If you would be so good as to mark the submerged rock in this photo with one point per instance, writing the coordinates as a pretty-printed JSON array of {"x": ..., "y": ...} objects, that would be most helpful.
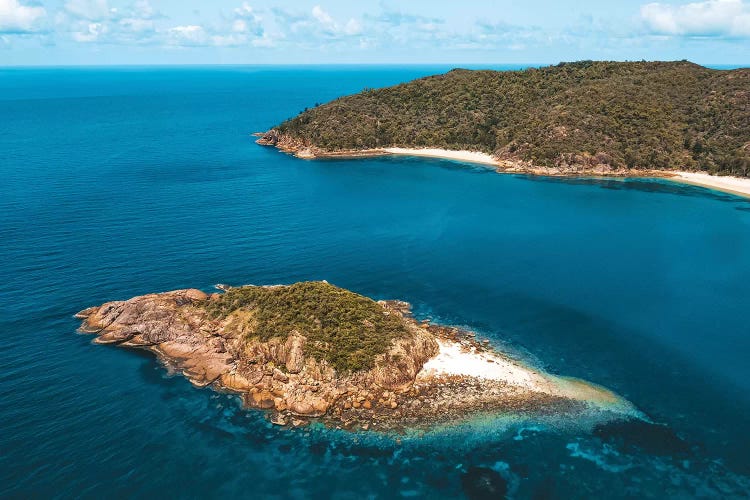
[
  {"x": 637, "y": 434},
  {"x": 313, "y": 350},
  {"x": 481, "y": 483}
]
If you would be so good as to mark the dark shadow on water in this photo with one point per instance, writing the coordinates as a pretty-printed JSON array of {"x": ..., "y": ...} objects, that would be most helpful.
[
  {"x": 642, "y": 184},
  {"x": 480, "y": 483},
  {"x": 217, "y": 434},
  {"x": 636, "y": 435},
  {"x": 415, "y": 161},
  {"x": 645, "y": 184}
]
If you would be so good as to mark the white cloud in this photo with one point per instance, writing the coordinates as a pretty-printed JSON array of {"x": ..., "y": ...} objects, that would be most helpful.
[
  {"x": 382, "y": 29},
  {"x": 198, "y": 36},
  {"x": 188, "y": 35},
  {"x": 245, "y": 11},
  {"x": 246, "y": 21},
  {"x": 353, "y": 27},
  {"x": 316, "y": 28},
  {"x": 322, "y": 16},
  {"x": 242, "y": 28},
  {"x": 711, "y": 18},
  {"x": 89, "y": 21},
  {"x": 332, "y": 28},
  {"x": 90, "y": 33},
  {"x": 92, "y": 10},
  {"x": 17, "y": 18},
  {"x": 399, "y": 29}
]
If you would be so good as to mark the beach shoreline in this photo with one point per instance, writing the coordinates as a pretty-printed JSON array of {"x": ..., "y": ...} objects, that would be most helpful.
[
  {"x": 734, "y": 185},
  {"x": 728, "y": 184},
  {"x": 457, "y": 359},
  {"x": 447, "y": 154}
]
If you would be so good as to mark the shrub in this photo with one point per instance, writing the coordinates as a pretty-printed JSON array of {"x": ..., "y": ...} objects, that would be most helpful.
[{"x": 343, "y": 328}]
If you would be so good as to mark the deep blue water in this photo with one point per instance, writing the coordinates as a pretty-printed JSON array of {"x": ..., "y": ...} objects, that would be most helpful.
[{"x": 119, "y": 182}]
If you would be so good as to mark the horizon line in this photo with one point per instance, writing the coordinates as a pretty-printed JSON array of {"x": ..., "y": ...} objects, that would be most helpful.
[{"x": 345, "y": 64}]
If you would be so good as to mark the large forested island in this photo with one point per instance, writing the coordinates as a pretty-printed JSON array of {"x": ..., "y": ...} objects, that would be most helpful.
[
  {"x": 312, "y": 350},
  {"x": 603, "y": 117}
]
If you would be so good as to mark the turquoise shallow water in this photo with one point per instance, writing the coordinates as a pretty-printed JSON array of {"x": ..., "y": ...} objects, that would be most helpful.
[{"x": 119, "y": 182}]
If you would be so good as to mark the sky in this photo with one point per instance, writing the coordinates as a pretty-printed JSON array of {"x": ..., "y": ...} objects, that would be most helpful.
[{"x": 124, "y": 32}]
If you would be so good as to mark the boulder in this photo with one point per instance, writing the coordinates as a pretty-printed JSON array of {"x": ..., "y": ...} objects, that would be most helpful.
[
  {"x": 270, "y": 138},
  {"x": 235, "y": 382},
  {"x": 280, "y": 376},
  {"x": 295, "y": 356},
  {"x": 195, "y": 294},
  {"x": 262, "y": 399},
  {"x": 309, "y": 407}
]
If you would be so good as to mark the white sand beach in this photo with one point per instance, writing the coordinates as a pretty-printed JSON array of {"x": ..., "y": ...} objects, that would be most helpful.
[
  {"x": 454, "y": 359},
  {"x": 469, "y": 156},
  {"x": 734, "y": 185}
]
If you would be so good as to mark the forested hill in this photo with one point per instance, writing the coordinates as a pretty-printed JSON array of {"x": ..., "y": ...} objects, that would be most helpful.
[{"x": 651, "y": 115}]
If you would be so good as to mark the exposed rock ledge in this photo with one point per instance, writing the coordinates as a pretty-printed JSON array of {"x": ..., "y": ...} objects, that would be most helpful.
[
  {"x": 423, "y": 375},
  {"x": 574, "y": 165}
]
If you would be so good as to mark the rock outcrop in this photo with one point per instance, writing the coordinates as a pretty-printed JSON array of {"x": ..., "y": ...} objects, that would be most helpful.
[{"x": 303, "y": 149}]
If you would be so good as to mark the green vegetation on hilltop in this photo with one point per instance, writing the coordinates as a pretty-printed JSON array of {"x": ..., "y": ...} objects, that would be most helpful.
[
  {"x": 345, "y": 329},
  {"x": 652, "y": 115}
]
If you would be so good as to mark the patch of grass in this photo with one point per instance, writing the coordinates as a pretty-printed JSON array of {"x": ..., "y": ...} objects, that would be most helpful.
[{"x": 343, "y": 328}]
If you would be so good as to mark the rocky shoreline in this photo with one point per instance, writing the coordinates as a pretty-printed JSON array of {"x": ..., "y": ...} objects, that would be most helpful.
[
  {"x": 431, "y": 375},
  {"x": 576, "y": 166}
]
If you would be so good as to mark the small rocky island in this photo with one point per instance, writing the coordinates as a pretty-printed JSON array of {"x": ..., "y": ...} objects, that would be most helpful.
[{"x": 312, "y": 350}]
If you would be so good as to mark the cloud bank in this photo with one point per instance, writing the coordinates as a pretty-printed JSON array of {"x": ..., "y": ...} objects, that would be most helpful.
[
  {"x": 317, "y": 28},
  {"x": 712, "y": 18},
  {"x": 16, "y": 18}
]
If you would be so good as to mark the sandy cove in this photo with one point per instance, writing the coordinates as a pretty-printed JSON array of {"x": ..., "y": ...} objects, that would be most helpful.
[{"x": 735, "y": 185}]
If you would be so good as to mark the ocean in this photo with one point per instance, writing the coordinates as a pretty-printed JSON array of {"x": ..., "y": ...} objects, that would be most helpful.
[{"x": 116, "y": 182}]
